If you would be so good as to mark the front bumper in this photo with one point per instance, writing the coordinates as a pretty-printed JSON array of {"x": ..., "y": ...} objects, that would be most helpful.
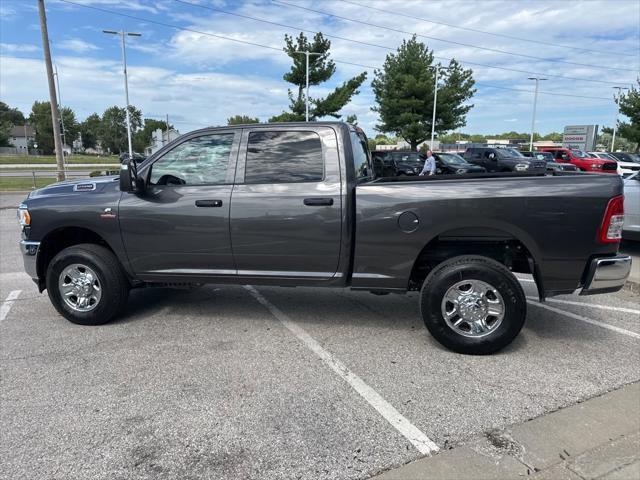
[
  {"x": 30, "y": 256},
  {"x": 606, "y": 274}
]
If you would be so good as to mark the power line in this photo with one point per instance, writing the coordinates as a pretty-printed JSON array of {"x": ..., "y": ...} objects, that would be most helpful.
[
  {"x": 369, "y": 44},
  {"x": 475, "y": 30},
  {"x": 281, "y": 2},
  {"x": 278, "y": 49}
]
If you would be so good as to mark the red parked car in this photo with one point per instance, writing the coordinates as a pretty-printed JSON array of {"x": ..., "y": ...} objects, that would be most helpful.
[{"x": 581, "y": 159}]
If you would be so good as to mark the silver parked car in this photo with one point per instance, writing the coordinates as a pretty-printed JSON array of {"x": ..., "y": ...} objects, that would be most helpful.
[{"x": 631, "y": 228}]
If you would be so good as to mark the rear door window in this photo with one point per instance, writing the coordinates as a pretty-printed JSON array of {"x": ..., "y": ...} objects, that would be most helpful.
[{"x": 284, "y": 157}]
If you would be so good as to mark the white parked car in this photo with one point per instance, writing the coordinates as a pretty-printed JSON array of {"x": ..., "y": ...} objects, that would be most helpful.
[
  {"x": 631, "y": 228},
  {"x": 625, "y": 168}
]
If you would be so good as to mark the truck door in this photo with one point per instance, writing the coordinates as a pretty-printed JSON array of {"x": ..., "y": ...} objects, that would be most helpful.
[
  {"x": 286, "y": 203},
  {"x": 180, "y": 224}
]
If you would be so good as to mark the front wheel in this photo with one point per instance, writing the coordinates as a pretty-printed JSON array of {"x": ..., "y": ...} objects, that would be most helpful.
[
  {"x": 86, "y": 284},
  {"x": 473, "y": 304}
]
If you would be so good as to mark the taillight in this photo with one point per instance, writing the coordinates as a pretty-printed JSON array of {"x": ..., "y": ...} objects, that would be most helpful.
[{"x": 611, "y": 228}]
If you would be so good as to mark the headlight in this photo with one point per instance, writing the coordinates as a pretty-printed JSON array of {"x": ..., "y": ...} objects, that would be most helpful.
[
  {"x": 461, "y": 170},
  {"x": 595, "y": 166},
  {"x": 521, "y": 167},
  {"x": 23, "y": 215}
]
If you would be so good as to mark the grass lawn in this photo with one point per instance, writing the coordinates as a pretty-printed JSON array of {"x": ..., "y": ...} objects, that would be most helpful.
[
  {"x": 9, "y": 159},
  {"x": 8, "y": 184}
]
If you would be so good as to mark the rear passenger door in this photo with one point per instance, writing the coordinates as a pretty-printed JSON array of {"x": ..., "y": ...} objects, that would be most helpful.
[{"x": 286, "y": 203}]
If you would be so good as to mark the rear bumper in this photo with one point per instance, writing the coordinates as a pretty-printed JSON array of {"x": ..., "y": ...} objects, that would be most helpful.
[
  {"x": 606, "y": 275},
  {"x": 30, "y": 256}
]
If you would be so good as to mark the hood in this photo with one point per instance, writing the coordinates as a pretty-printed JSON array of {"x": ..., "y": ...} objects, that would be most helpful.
[{"x": 82, "y": 186}]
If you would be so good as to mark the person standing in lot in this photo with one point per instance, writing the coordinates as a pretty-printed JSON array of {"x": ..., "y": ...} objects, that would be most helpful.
[{"x": 429, "y": 165}]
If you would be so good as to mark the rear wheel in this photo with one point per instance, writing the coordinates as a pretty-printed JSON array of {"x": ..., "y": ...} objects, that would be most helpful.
[
  {"x": 473, "y": 304},
  {"x": 87, "y": 285}
]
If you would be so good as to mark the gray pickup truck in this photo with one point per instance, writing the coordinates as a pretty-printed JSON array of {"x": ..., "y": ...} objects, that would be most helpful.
[{"x": 298, "y": 205}]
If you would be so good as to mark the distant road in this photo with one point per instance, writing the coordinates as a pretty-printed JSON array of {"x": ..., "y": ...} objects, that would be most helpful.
[{"x": 36, "y": 166}]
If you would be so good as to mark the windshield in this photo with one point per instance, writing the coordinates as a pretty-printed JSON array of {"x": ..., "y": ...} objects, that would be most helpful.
[
  {"x": 451, "y": 159},
  {"x": 543, "y": 156},
  {"x": 579, "y": 153},
  {"x": 508, "y": 152},
  {"x": 407, "y": 157}
]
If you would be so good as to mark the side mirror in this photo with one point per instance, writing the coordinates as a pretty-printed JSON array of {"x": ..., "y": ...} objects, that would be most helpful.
[{"x": 127, "y": 178}]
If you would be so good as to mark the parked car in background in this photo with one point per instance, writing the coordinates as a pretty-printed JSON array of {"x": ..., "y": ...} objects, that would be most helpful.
[
  {"x": 581, "y": 159},
  {"x": 631, "y": 227},
  {"x": 551, "y": 165},
  {"x": 452, "y": 163},
  {"x": 396, "y": 162},
  {"x": 503, "y": 160},
  {"x": 628, "y": 163}
]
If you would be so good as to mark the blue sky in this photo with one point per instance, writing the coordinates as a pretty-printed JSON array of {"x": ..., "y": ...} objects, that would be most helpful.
[{"x": 199, "y": 79}]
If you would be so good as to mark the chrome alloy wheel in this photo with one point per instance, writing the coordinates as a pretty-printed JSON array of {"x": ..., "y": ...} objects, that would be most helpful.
[
  {"x": 79, "y": 287},
  {"x": 473, "y": 308}
]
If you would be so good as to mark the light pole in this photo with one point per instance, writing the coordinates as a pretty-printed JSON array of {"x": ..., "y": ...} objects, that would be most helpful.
[
  {"x": 124, "y": 34},
  {"x": 615, "y": 124},
  {"x": 307, "y": 54},
  {"x": 533, "y": 116},
  {"x": 437, "y": 69}
]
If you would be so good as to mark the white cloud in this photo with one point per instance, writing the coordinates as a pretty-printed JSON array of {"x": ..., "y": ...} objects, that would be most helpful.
[
  {"x": 77, "y": 45},
  {"x": 6, "y": 48}
]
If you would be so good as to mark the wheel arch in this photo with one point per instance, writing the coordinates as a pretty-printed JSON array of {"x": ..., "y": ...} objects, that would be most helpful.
[
  {"x": 61, "y": 238},
  {"x": 500, "y": 241}
]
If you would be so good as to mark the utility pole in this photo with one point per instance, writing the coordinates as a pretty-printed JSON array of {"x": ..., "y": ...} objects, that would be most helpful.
[
  {"x": 123, "y": 35},
  {"x": 615, "y": 124},
  {"x": 55, "y": 115},
  {"x": 533, "y": 117},
  {"x": 307, "y": 54},
  {"x": 26, "y": 139}
]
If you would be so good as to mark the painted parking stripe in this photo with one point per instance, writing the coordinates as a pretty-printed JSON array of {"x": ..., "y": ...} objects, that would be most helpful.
[
  {"x": 417, "y": 438},
  {"x": 5, "y": 308},
  {"x": 586, "y": 319},
  {"x": 593, "y": 305}
]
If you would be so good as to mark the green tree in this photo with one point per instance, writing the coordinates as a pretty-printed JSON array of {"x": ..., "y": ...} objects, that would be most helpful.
[
  {"x": 142, "y": 138},
  {"x": 553, "y": 137},
  {"x": 241, "y": 120},
  {"x": 321, "y": 69},
  {"x": 404, "y": 94},
  {"x": 629, "y": 105},
  {"x": 10, "y": 115},
  {"x": 40, "y": 118},
  {"x": 113, "y": 128},
  {"x": 90, "y": 130}
]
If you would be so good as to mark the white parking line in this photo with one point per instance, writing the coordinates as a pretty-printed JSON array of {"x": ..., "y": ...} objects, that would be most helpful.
[
  {"x": 418, "y": 439},
  {"x": 586, "y": 319},
  {"x": 6, "y": 305},
  {"x": 594, "y": 305}
]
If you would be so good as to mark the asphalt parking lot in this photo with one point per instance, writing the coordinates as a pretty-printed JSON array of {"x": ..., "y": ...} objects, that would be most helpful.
[{"x": 233, "y": 382}]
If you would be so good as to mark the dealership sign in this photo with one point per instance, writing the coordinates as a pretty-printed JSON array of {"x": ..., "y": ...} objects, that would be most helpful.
[{"x": 580, "y": 137}]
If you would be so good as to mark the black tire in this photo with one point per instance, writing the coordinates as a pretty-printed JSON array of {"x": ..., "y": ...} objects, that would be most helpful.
[
  {"x": 473, "y": 267},
  {"x": 113, "y": 282}
]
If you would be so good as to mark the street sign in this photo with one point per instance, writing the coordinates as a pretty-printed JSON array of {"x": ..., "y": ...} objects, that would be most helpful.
[{"x": 580, "y": 137}]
